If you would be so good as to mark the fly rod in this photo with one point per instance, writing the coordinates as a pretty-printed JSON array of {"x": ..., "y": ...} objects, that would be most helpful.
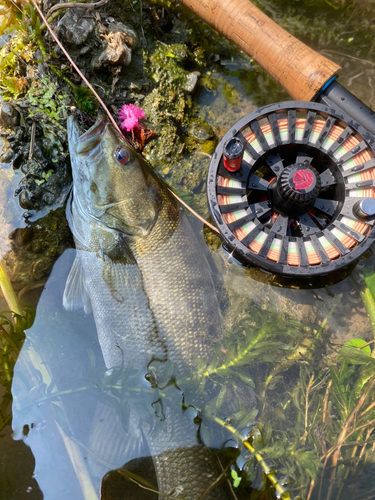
[{"x": 300, "y": 70}]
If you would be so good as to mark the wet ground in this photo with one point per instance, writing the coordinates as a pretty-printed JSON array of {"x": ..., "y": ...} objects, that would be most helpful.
[{"x": 304, "y": 393}]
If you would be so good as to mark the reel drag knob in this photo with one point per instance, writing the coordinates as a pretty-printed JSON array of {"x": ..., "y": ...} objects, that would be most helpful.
[{"x": 296, "y": 190}]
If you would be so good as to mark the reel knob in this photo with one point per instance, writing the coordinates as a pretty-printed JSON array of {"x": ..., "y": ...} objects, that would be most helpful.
[
  {"x": 365, "y": 209},
  {"x": 296, "y": 190},
  {"x": 232, "y": 154}
]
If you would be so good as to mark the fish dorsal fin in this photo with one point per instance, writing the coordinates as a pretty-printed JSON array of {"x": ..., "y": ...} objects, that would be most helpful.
[{"x": 76, "y": 294}]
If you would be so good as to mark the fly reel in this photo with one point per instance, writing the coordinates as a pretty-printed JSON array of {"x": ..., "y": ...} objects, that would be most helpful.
[{"x": 291, "y": 188}]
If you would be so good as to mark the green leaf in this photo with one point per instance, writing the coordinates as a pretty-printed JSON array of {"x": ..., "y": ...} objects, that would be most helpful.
[
  {"x": 248, "y": 419},
  {"x": 359, "y": 343},
  {"x": 245, "y": 378},
  {"x": 369, "y": 276},
  {"x": 47, "y": 175},
  {"x": 236, "y": 478},
  {"x": 221, "y": 397},
  {"x": 354, "y": 356}
]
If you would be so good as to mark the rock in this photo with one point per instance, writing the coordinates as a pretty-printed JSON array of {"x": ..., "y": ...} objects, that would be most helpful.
[
  {"x": 130, "y": 38},
  {"x": 201, "y": 131},
  {"x": 121, "y": 40},
  {"x": 191, "y": 81},
  {"x": 74, "y": 28},
  {"x": 9, "y": 116},
  {"x": 117, "y": 51}
]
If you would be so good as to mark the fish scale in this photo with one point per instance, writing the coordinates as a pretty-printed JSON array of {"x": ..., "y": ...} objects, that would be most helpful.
[{"x": 180, "y": 289}]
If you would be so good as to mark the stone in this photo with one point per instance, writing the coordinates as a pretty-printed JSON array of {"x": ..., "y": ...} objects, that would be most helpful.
[
  {"x": 117, "y": 52},
  {"x": 74, "y": 28},
  {"x": 9, "y": 116},
  {"x": 191, "y": 81},
  {"x": 130, "y": 38}
]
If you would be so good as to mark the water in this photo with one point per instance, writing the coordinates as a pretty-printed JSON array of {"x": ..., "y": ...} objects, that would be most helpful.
[{"x": 303, "y": 400}]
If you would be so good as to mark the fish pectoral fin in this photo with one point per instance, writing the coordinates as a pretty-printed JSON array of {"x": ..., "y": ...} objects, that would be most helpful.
[
  {"x": 118, "y": 252},
  {"x": 76, "y": 295}
]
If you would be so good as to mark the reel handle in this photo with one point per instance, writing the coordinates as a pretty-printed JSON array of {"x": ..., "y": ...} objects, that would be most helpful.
[{"x": 300, "y": 70}]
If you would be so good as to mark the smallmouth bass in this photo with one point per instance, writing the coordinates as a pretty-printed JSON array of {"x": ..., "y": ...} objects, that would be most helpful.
[{"x": 141, "y": 270}]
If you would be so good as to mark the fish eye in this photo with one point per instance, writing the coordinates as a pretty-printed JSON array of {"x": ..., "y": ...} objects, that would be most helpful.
[{"x": 121, "y": 155}]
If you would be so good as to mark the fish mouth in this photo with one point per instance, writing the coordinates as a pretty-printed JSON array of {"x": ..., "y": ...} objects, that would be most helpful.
[{"x": 90, "y": 141}]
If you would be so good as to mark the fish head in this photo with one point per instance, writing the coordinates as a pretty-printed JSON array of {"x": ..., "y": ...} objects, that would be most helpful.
[{"x": 112, "y": 182}]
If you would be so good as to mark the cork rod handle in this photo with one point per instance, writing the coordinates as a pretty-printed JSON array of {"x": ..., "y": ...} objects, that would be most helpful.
[{"x": 300, "y": 70}]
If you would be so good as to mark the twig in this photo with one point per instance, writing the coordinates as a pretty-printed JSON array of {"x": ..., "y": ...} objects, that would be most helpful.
[
  {"x": 325, "y": 401},
  {"x": 369, "y": 431},
  {"x": 128, "y": 474},
  {"x": 336, "y": 446},
  {"x": 194, "y": 213},
  {"x": 309, "y": 385},
  {"x": 312, "y": 485},
  {"x": 80, "y": 5},
  {"x": 32, "y": 140},
  {"x": 367, "y": 409},
  {"x": 209, "y": 487},
  {"x": 15, "y": 5},
  {"x": 364, "y": 345},
  {"x": 228, "y": 480},
  {"x": 345, "y": 431},
  {"x": 56, "y": 14}
]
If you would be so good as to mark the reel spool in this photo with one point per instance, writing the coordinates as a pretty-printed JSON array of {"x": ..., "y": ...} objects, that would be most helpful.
[{"x": 291, "y": 188}]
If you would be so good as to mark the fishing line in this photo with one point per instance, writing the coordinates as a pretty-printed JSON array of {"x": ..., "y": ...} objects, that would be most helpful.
[
  {"x": 107, "y": 110},
  {"x": 76, "y": 68}
]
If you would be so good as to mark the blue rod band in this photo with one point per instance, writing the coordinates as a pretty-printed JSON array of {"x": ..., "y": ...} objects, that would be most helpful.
[{"x": 327, "y": 84}]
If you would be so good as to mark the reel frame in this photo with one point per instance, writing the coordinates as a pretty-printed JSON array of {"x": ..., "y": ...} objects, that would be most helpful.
[{"x": 341, "y": 253}]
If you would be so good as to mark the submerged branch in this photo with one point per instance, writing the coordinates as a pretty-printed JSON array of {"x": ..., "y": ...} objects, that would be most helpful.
[{"x": 223, "y": 472}]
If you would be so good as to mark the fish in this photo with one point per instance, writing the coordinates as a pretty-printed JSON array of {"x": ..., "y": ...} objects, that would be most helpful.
[{"x": 141, "y": 271}]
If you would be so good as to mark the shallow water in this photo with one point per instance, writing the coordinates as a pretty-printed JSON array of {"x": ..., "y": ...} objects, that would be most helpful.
[{"x": 60, "y": 375}]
